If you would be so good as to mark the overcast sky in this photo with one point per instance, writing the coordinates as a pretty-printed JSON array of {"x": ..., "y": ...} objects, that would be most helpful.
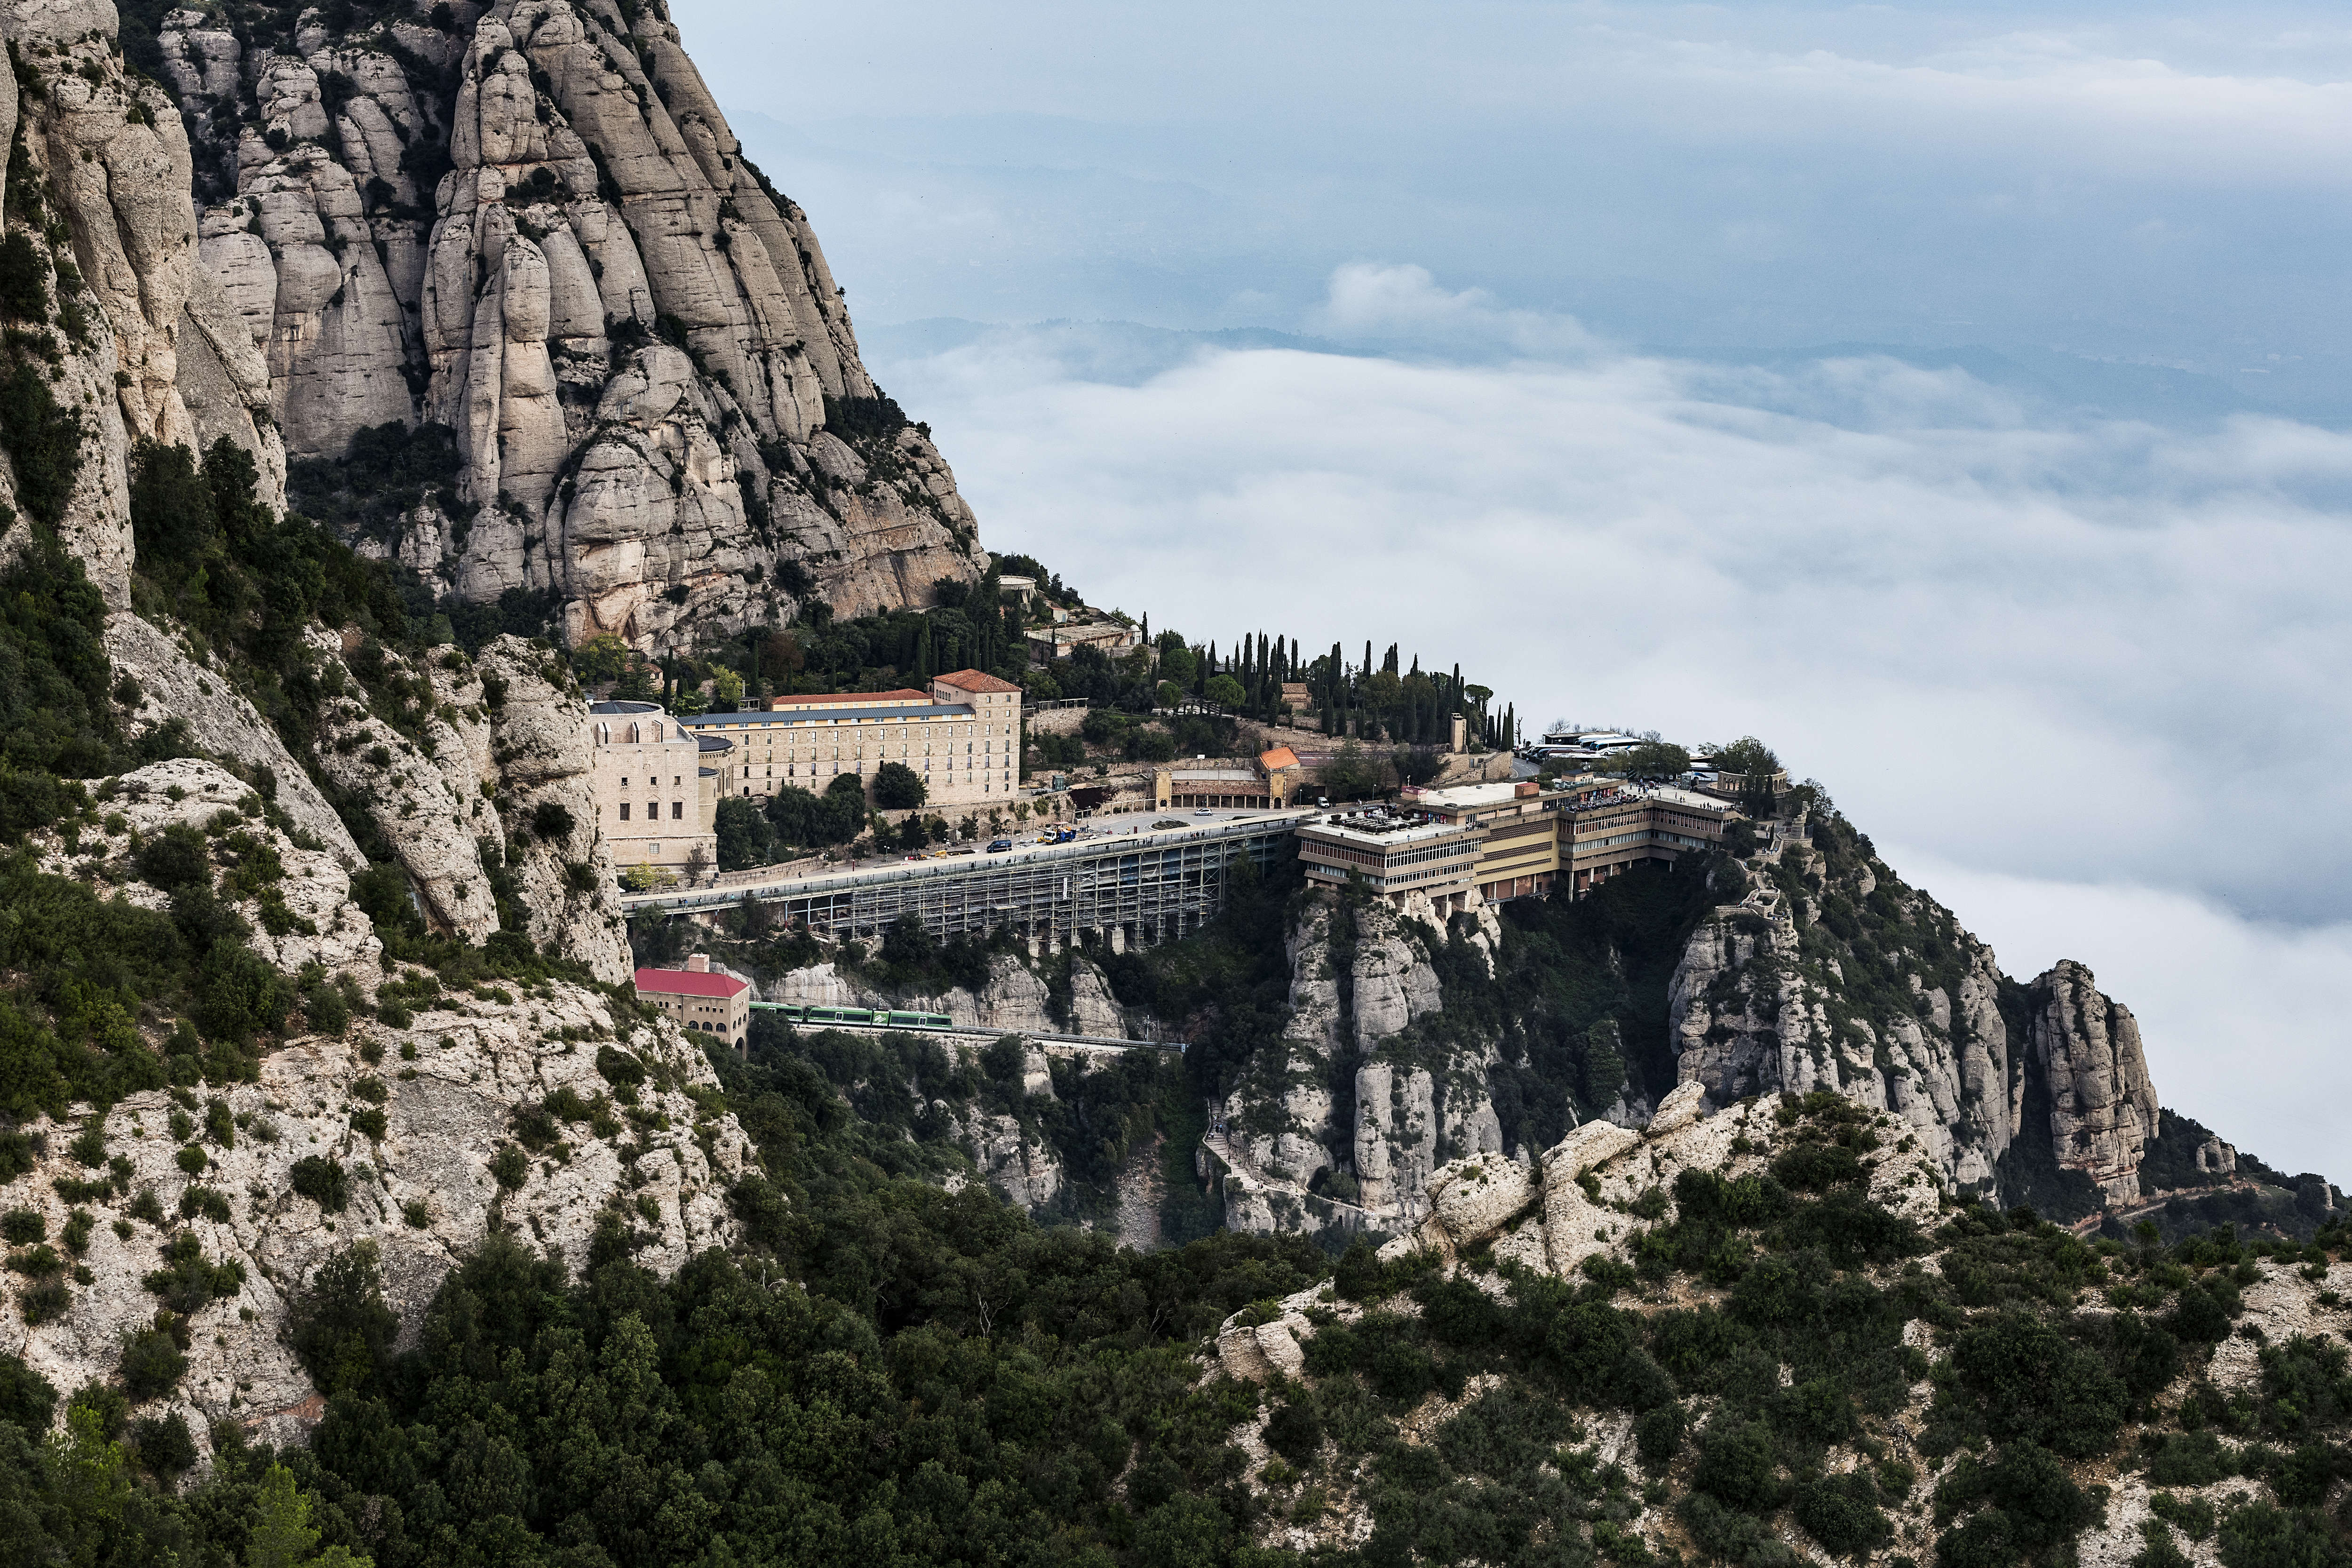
[{"x": 1955, "y": 398}]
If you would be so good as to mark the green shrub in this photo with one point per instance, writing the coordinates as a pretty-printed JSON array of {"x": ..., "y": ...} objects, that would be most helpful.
[
  {"x": 151, "y": 1363},
  {"x": 189, "y": 1281},
  {"x": 619, "y": 1067},
  {"x": 1296, "y": 1432},
  {"x": 2034, "y": 1385},
  {"x": 22, "y": 1228},
  {"x": 369, "y": 1121},
  {"x": 321, "y": 1179},
  {"x": 1842, "y": 1513},
  {"x": 44, "y": 1301},
  {"x": 550, "y": 821},
  {"x": 176, "y": 857},
  {"x": 1738, "y": 1466},
  {"x": 27, "y": 1399},
  {"x": 24, "y": 279},
  {"x": 163, "y": 1444},
  {"x": 339, "y": 1327},
  {"x": 2261, "y": 1536},
  {"x": 510, "y": 1167},
  {"x": 43, "y": 440},
  {"x": 1658, "y": 1436}
]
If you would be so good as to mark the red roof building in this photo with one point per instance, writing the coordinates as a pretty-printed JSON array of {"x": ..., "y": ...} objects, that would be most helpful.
[
  {"x": 975, "y": 680},
  {"x": 687, "y": 983},
  {"x": 707, "y": 1004}
]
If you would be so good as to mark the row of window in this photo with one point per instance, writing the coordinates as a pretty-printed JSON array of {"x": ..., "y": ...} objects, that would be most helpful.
[{"x": 653, "y": 811}]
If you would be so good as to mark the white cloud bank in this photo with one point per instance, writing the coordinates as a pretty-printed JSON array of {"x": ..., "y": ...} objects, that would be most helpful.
[
  {"x": 2243, "y": 1023},
  {"x": 2071, "y": 660}
]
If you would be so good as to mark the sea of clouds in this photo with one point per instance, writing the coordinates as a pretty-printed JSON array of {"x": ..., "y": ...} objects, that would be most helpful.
[
  {"x": 2079, "y": 675},
  {"x": 1952, "y": 394}
]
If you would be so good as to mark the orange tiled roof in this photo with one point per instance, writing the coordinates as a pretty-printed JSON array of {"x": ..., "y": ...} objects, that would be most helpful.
[
  {"x": 1277, "y": 759},
  {"x": 976, "y": 680}
]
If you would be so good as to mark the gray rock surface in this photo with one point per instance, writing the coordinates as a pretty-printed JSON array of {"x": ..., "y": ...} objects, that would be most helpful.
[
  {"x": 635, "y": 339},
  {"x": 220, "y": 721},
  {"x": 2102, "y": 1105},
  {"x": 448, "y": 1083},
  {"x": 1748, "y": 1013}
]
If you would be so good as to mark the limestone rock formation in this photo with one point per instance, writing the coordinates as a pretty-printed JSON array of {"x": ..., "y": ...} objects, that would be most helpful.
[
  {"x": 1023, "y": 1169},
  {"x": 1278, "y": 1117},
  {"x": 171, "y": 685},
  {"x": 1751, "y": 1012},
  {"x": 269, "y": 1179},
  {"x": 1361, "y": 978},
  {"x": 2102, "y": 1106},
  {"x": 488, "y": 782},
  {"x": 146, "y": 344},
  {"x": 527, "y": 221},
  {"x": 1577, "y": 1203}
]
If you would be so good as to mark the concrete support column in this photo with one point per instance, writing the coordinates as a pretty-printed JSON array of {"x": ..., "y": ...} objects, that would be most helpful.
[{"x": 1118, "y": 939}]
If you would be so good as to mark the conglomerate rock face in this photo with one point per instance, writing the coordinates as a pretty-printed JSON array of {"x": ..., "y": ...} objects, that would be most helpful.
[
  {"x": 413, "y": 1132},
  {"x": 2102, "y": 1105},
  {"x": 148, "y": 346},
  {"x": 529, "y": 223},
  {"x": 1764, "y": 1001},
  {"x": 1788, "y": 991},
  {"x": 1349, "y": 1090}
]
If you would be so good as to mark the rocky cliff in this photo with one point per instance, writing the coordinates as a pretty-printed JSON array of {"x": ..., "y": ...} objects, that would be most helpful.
[
  {"x": 1830, "y": 973},
  {"x": 192, "y": 1217},
  {"x": 1340, "y": 1121},
  {"x": 526, "y": 226},
  {"x": 1800, "y": 964},
  {"x": 2103, "y": 1107}
]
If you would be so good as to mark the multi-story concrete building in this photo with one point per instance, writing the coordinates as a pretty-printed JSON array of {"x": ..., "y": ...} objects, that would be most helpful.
[
  {"x": 657, "y": 789},
  {"x": 962, "y": 738},
  {"x": 1518, "y": 826},
  {"x": 1608, "y": 826},
  {"x": 1398, "y": 856},
  {"x": 1591, "y": 828},
  {"x": 716, "y": 1004}
]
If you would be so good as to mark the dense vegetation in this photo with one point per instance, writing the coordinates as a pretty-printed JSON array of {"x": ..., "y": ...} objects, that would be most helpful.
[{"x": 895, "y": 1374}]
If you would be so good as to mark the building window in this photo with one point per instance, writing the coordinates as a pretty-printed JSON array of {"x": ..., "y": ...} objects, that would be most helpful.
[
  {"x": 624, "y": 811},
  {"x": 678, "y": 811}
]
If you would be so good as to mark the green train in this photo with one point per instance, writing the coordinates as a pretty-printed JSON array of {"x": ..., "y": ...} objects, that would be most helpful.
[{"x": 795, "y": 1013}]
